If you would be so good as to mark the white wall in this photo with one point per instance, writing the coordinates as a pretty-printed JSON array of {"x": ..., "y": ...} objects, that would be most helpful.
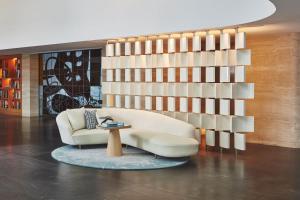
[{"x": 43, "y": 22}]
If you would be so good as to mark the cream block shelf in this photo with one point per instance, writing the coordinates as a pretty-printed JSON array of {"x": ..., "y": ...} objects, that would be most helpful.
[
  {"x": 157, "y": 89},
  {"x": 148, "y": 89},
  {"x": 106, "y": 88},
  {"x": 137, "y": 75},
  {"x": 159, "y": 46},
  {"x": 169, "y": 114},
  {"x": 243, "y": 90},
  {"x": 149, "y": 61},
  {"x": 240, "y": 40},
  {"x": 118, "y": 101},
  {"x": 181, "y": 89},
  {"x": 224, "y": 107},
  {"x": 240, "y": 141},
  {"x": 171, "y": 60},
  {"x": 194, "y": 90},
  {"x": 127, "y": 88},
  {"x": 242, "y": 124},
  {"x": 223, "y": 123},
  {"x": 196, "y": 74},
  {"x": 183, "y": 74},
  {"x": 138, "y": 89},
  {"x": 159, "y": 75},
  {"x": 171, "y": 45},
  {"x": 207, "y": 58},
  {"x": 224, "y": 90},
  {"x": 208, "y": 90},
  {"x": 210, "y": 106},
  {"x": 196, "y": 105},
  {"x": 148, "y": 47},
  {"x": 171, "y": 87},
  {"x": 105, "y": 62},
  {"x": 128, "y": 75},
  {"x": 171, "y": 104},
  {"x": 127, "y": 48},
  {"x": 115, "y": 88},
  {"x": 140, "y": 61},
  {"x": 110, "y": 50},
  {"x": 109, "y": 75},
  {"x": 210, "y": 74},
  {"x": 222, "y": 58},
  {"x": 117, "y": 62},
  {"x": 208, "y": 121},
  {"x": 137, "y": 47},
  {"x": 239, "y": 74},
  {"x": 160, "y": 60},
  {"x": 225, "y": 41},
  {"x": 117, "y": 75},
  {"x": 148, "y": 103},
  {"x": 128, "y": 101},
  {"x": 194, "y": 119},
  {"x": 137, "y": 102},
  {"x": 181, "y": 116},
  {"x": 210, "y": 42},
  {"x": 171, "y": 74},
  {"x": 148, "y": 75},
  {"x": 224, "y": 74},
  {"x": 118, "y": 49},
  {"x": 196, "y": 59},
  {"x": 159, "y": 103},
  {"x": 184, "y": 44},
  {"x": 239, "y": 57},
  {"x": 183, "y": 104},
  {"x": 210, "y": 138},
  {"x": 239, "y": 108},
  {"x": 196, "y": 43},
  {"x": 224, "y": 139}
]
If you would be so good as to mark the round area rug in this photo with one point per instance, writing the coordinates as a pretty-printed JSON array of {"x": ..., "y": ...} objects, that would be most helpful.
[{"x": 132, "y": 159}]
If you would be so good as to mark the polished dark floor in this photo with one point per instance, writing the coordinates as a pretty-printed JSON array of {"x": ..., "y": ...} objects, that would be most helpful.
[{"x": 27, "y": 171}]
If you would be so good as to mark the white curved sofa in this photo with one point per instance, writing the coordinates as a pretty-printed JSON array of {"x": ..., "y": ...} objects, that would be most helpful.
[{"x": 153, "y": 132}]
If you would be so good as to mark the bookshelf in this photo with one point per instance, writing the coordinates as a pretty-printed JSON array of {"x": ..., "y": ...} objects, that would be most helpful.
[{"x": 10, "y": 86}]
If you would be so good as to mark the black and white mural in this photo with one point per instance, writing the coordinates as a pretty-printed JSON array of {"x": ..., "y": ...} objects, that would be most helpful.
[{"x": 71, "y": 80}]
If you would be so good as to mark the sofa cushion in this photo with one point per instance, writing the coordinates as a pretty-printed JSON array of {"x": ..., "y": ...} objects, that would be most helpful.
[
  {"x": 76, "y": 118},
  {"x": 90, "y": 119},
  {"x": 90, "y": 136}
]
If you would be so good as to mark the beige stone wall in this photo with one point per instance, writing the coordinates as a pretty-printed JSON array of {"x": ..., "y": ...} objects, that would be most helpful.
[
  {"x": 30, "y": 85},
  {"x": 275, "y": 71}
]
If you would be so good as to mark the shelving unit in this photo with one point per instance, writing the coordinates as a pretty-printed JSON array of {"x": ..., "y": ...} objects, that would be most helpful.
[{"x": 10, "y": 86}]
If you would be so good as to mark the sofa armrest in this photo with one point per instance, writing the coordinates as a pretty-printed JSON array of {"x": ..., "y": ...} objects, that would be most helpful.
[{"x": 65, "y": 129}]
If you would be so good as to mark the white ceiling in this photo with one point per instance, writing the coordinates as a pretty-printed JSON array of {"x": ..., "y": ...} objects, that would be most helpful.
[{"x": 285, "y": 19}]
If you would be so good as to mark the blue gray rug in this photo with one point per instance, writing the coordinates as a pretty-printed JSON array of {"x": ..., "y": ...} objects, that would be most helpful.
[{"x": 132, "y": 159}]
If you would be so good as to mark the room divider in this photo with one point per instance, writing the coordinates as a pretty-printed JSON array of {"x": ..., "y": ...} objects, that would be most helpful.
[{"x": 198, "y": 78}]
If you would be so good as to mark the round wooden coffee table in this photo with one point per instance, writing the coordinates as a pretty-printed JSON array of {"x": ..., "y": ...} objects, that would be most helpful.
[{"x": 114, "y": 146}]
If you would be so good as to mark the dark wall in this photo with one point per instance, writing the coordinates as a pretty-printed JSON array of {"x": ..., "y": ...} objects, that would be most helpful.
[{"x": 71, "y": 80}]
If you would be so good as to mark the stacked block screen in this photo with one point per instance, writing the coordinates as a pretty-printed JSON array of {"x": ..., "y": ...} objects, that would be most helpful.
[{"x": 199, "y": 79}]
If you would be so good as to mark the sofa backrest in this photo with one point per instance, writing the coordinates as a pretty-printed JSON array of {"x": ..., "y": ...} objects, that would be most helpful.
[{"x": 150, "y": 121}]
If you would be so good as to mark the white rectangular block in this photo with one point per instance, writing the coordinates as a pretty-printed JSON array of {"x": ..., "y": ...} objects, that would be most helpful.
[
  {"x": 210, "y": 138},
  {"x": 127, "y": 75},
  {"x": 243, "y": 124},
  {"x": 224, "y": 107},
  {"x": 243, "y": 90},
  {"x": 127, "y": 49},
  {"x": 110, "y": 101},
  {"x": 197, "y": 43},
  {"x": 148, "y": 47},
  {"x": 210, "y": 106},
  {"x": 209, "y": 74},
  {"x": 224, "y": 74},
  {"x": 159, "y": 46},
  {"x": 196, "y": 105},
  {"x": 208, "y": 121},
  {"x": 210, "y": 42},
  {"x": 240, "y": 141},
  {"x": 171, "y": 45},
  {"x": 171, "y": 74},
  {"x": 184, "y": 44},
  {"x": 225, "y": 41},
  {"x": 109, "y": 75},
  {"x": 196, "y": 59},
  {"x": 148, "y": 102},
  {"x": 137, "y": 48},
  {"x": 225, "y": 140},
  {"x": 148, "y": 75},
  {"x": 194, "y": 119},
  {"x": 171, "y": 87},
  {"x": 159, "y": 103},
  {"x": 110, "y": 50},
  {"x": 240, "y": 40},
  {"x": 159, "y": 75},
  {"x": 118, "y": 49},
  {"x": 181, "y": 89},
  {"x": 239, "y": 74},
  {"x": 208, "y": 90},
  {"x": 137, "y": 102},
  {"x": 137, "y": 75},
  {"x": 118, "y": 101},
  {"x": 196, "y": 74},
  {"x": 183, "y": 104},
  {"x": 171, "y": 104},
  {"x": 117, "y": 75},
  {"x": 183, "y": 74},
  {"x": 194, "y": 90},
  {"x": 181, "y": 116},
  {"x": 127, "y": 101},
  {"x": 224, "y": 90},
  {"x": 239, "y": 107},
  {"x": 223, "y": 122}
]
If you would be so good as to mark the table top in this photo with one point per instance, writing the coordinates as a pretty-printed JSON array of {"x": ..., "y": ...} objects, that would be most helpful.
[{"x": 116, "y": 127}]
